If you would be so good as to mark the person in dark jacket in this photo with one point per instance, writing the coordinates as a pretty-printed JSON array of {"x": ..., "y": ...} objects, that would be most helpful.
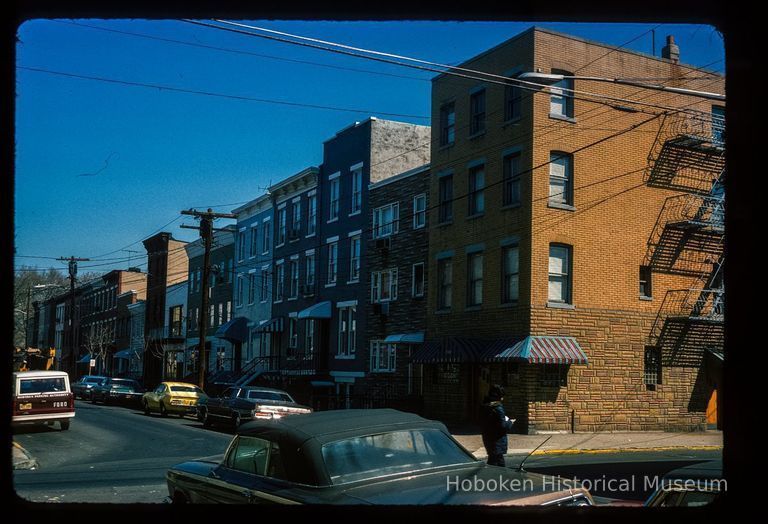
[{"x": 495, "y": 425}]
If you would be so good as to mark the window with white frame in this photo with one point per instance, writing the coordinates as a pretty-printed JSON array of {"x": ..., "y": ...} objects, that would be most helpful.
[
  {"x": 354, "y": 258},
  {"x": 477, "y": 112},
  {"x": 475, "y": 279},
  {"x": 240, "y": 279},
  {"x": 386, "y": 220},
  {"x": 251, "y": 287},
  {"x": 512, "y": 177},
  {"x": 560, "y": 178},
  {"x": 447, "y": 124},
  {"x": 510, "y": 274},
  {"x": 417, "y": 279},
  {"x": 333, "y": 208},
  {"x": 561, "y": 96},
  {"x": 445, "y": 283},
  {"x": 512, "y": 101},
  {"x": 559, "y": 273},
  {"x": 310, "y": 270},
  {"x": 293, "y": 333},
  {"x": 476, "y": 196},
  {"x": 211, "y": 314},
  {"x": 445, "y": 198},
  {"x": 279, "y": 282},
  {"x": 347, "y": 331},
  {"x": 264, "y": 292},
  {"x": 419, "y": 211},
  {"x": 281, "y": 226},
  {"x": 254, "y": 242},
  {"x": 241, "y": 245},
  {"x": 312, "y": 215},
  {"x": 221, "y": 312},
  {"x": 309, "y": 336},
  {"x": 228, "y": 309},
  {"x": 294, "y": 273},
  {"x": 333, "y": 262},
  {"x": 383, "y": 357},
  {"x": 296, "y": 220},
  {"x": 357, "y": 190},
  {"x": 384, "y": 285},
  {"x": 266, "y": 238}
]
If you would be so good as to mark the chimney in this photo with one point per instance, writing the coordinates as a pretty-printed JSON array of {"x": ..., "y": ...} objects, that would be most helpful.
[{"x": 671, "y": 51}]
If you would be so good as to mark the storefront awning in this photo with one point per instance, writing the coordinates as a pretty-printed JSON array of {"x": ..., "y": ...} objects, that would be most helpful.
[
  {"x": 321, "y": 383},
  {"x": 274, "y": 325},
  {"x": 319, "y": 310},
  {"x": 125, "y": 353},
  {"x": 449, "y": 350},
  {"x": 85, "y": 359},
  {"x": 235, "y": 331},
  {"x": 405, "y": 338},
  {"x": 541, "y": 350}
]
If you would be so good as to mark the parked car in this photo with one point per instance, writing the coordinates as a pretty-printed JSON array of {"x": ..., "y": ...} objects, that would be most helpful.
[
  {"x": 695, "y": 485},
  {"x": 237, "y": 405},
  {"x": 83, "y": 387},
  {"x": 122, "y": 390},
  {"x": 172, "y": 397},
  {"x": 357, "y": 456},
  {"x": 42, "y": 397}
]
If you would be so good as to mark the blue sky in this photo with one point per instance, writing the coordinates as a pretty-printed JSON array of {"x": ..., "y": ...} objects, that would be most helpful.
[{"x": 158, "y": 151}]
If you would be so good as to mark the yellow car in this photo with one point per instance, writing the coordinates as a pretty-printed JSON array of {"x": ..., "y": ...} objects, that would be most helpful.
[{"x": 173, "y": 397}]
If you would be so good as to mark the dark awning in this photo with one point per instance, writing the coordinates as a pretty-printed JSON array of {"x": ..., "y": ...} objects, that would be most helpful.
[
  {"x": 274, "y": 325},
  {"x": 455, "y": 350},
  {"x": 319, "y": 310},
  {"x": 235, "y": 331},
  {"x": 85, "y": 359},
  {"x": 125, "y": 353},
  {"x": 541, "y": 350},
  {"x": 405, "y": 338}
]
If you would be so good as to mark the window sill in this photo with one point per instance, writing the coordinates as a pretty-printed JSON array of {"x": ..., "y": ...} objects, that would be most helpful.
[
  {"x": 476, "y": 215},
  {"x": 277, "y": 302},
  {"x": 382, "y": 371},
  {"x": 645, "y": 299},
  {"x": 356, "y": 213},
  {"x": 446, "y": 146},
  {"x": 331, "y": 221},
  {"x": 562, "y": 118},
  {"x": 446, "y": 223},
  {"x": 279, "y": 245},
  {"x": 512, "y": 206},
  {"x": 353, "y": 281},
  {"x": 560, "y": 305},
  {"x": 564, "y": 207},
  {"x": 443, "y": 312},
  {"x": 508, "y": 305},
  {"x": 511, "y": 122},
  {"x": 344, "y": 357},
  {"x": 331, "y": 285},
  {"x": 476, "y": 135},
  {"x": 311, "y": 235},
  {"x": 292, "y": 299},
  {"x": 474, "y": 308}
]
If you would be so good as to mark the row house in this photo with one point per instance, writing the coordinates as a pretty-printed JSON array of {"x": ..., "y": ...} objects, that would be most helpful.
[
  {"x": 537, "y": 267},
  {"x": 124, "y": 360}
]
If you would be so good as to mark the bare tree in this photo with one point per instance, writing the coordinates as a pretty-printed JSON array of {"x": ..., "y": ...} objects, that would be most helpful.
[
  {"x": 98, "y": 340},
  {"x": 24, "y": 281}
]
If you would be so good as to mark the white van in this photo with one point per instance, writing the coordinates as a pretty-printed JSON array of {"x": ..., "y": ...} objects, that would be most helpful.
[{"x": 42, "y": 397}]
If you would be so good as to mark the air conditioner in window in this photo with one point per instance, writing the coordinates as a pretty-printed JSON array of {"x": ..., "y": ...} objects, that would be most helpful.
[
  {"x": 381, "y": 308},
  {"x": 384, "y": 244}
]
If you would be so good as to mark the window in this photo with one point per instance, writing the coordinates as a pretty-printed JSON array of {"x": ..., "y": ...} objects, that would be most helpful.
[
  {"x": 176, "y": 322},
  {"x": 251, "y": 287},
  {"x": 264, "y": 292},
  {"x": 357, "y": 190},
  {"x": 293, "y": 268},
  {"x": 311, "y": 214},
  {"x": 354, "y": 262},
  {"x": 296, "y": 223},
  {"x": 266, "y": 238},
  {"x": 221, "y": 313},
  {"x": 228, "y": 310},
  {"x": 445, "y": 283},
  {"x": 211, "y": 315},
  {"x": 561, "y": 101},
  {"x": 310, "y": 275},
  {"x": 333, "y": 209},
  {"x": 511, "y": 168},
  {"x": 309, "y": 336},
  {"x": 333, "y": 262},
  {"x": 417, "y": 278},
  {"x": 511, "y": 274},
  {"x": 476, "y": 190},
  {"x": 386, "y": 220},
  {"x": 477, "y": 112},
  {"x": 445, "y": 196},
  {"x": 382, "y": 357},
  {"x": 347, "y": 330},
  {"x": 645, "y": 282},
  {"x": 293, "y": 333},
  {"x": 718, "y": 125},
  {"x": 254, "y": 242},
  {"x": 447, "y": 124},
  {"x": 241, "y": 245},
  {"x": 475, "y": 279},
  {"x": 554, "y": 375},
  {"x": 512, "y": 98},
  {"x": 560, "y": 179},
  {"x": 280, "y": 282},
  {"x": 419, "y": 211},
  {"x": 281, "y": 226},
  {"x": 652, "y": 367},
  {"x": 249, "y": 455},
  {"x": 230, "y": 268},
  {"x": 384, "y": 285},
  {"x": 239, "y": 300},
  {"x": 559, "y": 274}
]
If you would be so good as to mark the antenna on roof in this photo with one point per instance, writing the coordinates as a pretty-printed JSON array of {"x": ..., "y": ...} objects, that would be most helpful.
[{"x": 520, "y": 467}]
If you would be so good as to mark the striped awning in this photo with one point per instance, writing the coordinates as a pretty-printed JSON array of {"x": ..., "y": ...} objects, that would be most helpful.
[
  {"x": 274, "y": 325},
  {"x": 450, "y": 350},
  {"x": 540, "y": 350},
  {"x": 236, "y": 330}
]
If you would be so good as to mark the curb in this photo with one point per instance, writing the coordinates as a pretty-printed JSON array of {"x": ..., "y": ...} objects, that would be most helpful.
[{"x": 21, "y": 458}]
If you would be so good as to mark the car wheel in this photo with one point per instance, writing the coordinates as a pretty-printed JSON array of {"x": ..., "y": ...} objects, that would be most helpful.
[
  {"x": 206, "y": 419},
  {"x": 163, "y": 411},
  {"x": 146, "y": 408},
  {"x": 106, "y": 401},
  {"x": 236, "y": 420},
  {"x": 64, "y": 425}
]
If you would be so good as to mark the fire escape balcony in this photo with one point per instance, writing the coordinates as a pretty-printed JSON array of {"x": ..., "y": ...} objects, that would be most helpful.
[
  {"x": 690, "y": 322},
  {"x": 688, "y": 154},
  {"x": 688, "y": 236}
]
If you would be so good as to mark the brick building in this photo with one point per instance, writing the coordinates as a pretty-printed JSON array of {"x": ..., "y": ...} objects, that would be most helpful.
[{"x": 541, "y": 217}]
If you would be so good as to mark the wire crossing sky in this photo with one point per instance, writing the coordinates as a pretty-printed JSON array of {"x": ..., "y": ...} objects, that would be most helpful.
[{"x": 120, "y": 124}]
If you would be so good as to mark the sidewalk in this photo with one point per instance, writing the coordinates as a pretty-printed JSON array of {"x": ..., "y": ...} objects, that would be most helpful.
[
  {"x": 21, "y": 459},
  {"x": 561, "y": 443}
]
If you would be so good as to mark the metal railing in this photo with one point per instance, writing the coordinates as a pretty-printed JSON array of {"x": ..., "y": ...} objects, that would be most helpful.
[{"x": 706, "y": 305}]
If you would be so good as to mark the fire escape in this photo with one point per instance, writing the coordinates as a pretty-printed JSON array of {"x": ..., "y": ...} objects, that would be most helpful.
[{"x": 688, "y": 238}]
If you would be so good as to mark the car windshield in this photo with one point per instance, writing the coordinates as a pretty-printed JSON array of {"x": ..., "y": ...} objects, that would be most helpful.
[
  {"x": 42, "y": 385},
  {"x": 187, "y": 389},
  {"x": 93, "y": 380},
  {"x": 123, "y": 383},
  {"x": 269, "y": 395},
  {"x": 373, "y": 456}
]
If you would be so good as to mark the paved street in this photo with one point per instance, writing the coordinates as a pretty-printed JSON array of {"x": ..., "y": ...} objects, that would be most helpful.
[{"x": 110, "y": 454}]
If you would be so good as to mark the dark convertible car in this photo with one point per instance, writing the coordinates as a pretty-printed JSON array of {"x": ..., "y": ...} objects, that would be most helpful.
[{"x": 377, "y": 456}]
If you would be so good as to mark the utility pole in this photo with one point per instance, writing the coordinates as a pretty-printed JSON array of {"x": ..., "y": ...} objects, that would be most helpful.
[
  {"x": 206, "y": 234},
  {"x": 72, "y": 278}
]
